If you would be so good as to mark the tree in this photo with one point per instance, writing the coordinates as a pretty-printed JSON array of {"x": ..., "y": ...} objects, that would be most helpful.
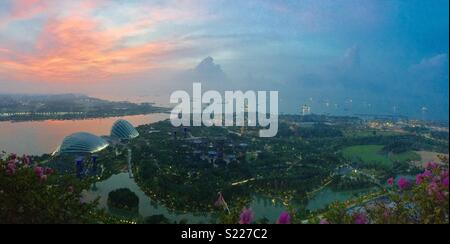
[
  {"x": 425, "y": 201},
  {"x": 36, "y": 195}
]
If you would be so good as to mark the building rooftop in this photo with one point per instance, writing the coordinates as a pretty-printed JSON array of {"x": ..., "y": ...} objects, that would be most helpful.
[
  {"x": 123, "y": 130},
  {"x": 82, "y": 142}
]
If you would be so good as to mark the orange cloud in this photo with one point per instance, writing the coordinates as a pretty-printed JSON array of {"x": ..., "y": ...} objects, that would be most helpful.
[
  {"x": 74, "y": 49},
  {"x": 75, "y": 44}
]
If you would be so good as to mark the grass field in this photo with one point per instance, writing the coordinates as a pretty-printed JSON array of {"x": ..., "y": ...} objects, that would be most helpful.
[
  {"x": 373, "y": 154},
  {"x": 370, "y": 133}
]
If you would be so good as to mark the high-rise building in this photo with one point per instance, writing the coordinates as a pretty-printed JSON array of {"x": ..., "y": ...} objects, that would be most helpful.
[{"x": 305, "y": 110}]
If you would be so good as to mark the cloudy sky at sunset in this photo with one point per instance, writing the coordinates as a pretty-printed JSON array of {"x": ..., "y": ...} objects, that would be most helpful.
[{"x": 382, "y": 55}]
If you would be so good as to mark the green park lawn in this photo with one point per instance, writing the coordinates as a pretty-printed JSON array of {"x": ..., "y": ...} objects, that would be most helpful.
[
  {"x": 373, "y": 154},
  {"x": 370, "y": 133}
]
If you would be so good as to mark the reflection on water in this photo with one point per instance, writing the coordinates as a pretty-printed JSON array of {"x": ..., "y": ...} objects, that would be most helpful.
[
  {"x": 147, "y": 207},
  {"x": 39, "y": 137},
  {"x": 264, "y": 207},
  {"x": 327, "y": 196}
]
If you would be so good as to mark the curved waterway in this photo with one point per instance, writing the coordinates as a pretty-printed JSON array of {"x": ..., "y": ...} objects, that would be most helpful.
[
  {"x": 262, "y": 206},
  {"x": 147, "y": 207}
]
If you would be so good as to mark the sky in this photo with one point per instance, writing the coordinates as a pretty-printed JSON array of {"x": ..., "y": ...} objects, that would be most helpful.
[{"x": 342, "y": 56}]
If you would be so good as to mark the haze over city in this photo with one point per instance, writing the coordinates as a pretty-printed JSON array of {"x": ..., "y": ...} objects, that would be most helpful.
[{"x": 370, "y": 56}]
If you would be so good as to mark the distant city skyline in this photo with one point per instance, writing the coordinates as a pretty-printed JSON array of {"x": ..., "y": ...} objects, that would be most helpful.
[{"x": 384, "y": 56}]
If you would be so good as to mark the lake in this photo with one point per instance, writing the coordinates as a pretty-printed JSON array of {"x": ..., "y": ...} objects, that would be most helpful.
[
  {"x": 262, "y": 206},
  {"x": 147, "y": 206},
  {"x": 327, "y": 196},
  {"x": 39, "y": 137}
]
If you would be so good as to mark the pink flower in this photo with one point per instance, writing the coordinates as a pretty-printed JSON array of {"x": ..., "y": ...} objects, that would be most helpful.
[
  {"x": 12, "y": 156},
  {"x": 390, "y": 181},
  {"x": 25, "y": 160},
  {"x": 419, "y": 179},
  {"x": 427, "y": 174},
  {"x": 445, "y": 181},
  {"x": 38, "y": 171},
  {"x": 432, "y": 188},
  {"x": 284, "y": 218},
  {"x": 11, "y": 168},
  {"x": 431, "y": 165},
  {"x": 11, "y": 165},
  {"x": 324, "y": 222},
  {"x": 402, "y": 183},
  {"x": 360, "y": 219},
  {"x": 444, "y": 174},
  {"x": 220, "y": 200},
  {"x": 246, "y": 216}
]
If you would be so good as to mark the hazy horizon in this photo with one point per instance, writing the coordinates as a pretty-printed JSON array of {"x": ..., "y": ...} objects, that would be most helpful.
[{"x": 380, "y": 57}]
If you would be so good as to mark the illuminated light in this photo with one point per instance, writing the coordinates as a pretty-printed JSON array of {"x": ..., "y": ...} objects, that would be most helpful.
[{"x": 242, "y": 182}]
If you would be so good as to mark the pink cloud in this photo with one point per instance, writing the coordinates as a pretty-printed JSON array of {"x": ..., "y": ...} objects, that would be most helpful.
[
  {"x": 76, "y": 46},
  {"x": 73, "y": 48}
]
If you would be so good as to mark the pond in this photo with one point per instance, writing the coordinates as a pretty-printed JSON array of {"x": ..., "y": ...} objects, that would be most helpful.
[
  {"x": 147, "y": 207},
  {"x": 262, "y": 206}
]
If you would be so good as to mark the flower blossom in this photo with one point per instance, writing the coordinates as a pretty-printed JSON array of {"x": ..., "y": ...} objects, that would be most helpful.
[
  {"x": 402, "y": 183},
  {"x": 445, "y": 181},
  {"x": 284, "y": 218},
  {"x": 11, "y": 168},
  {"x": 390, "y": 181},
  {"x": 431, "y": 165},
  {"x": 246, "y": 216},
  {"x": 360, "y": 219},
  {"x": 324, "y": 222},
  {"x": 38, "y": 171}
]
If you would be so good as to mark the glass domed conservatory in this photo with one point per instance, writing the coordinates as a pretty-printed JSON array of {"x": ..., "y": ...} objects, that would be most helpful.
[
  {"x": 83, "y": 143},
  {"x": 123, "y": 130}
]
